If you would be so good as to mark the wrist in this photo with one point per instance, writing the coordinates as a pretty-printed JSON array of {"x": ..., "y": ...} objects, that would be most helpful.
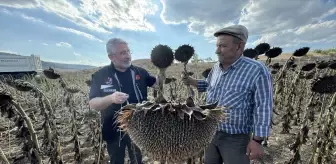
[
  {"x": 111, "y": 99},
  {"x": 194, "y": 82},
  {"x": 258, "y": 138},
  {"x": 259, "y": 141}
]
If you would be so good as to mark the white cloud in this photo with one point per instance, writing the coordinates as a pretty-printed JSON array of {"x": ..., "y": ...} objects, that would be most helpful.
[
  {"x": 64, "y": 44},
  {"x": 65, "y": 29},
  {"x": 80, "y": 33},
  {"x": 9, "y": 51},
  {"x": 19, "y": 3},
  {"x": 76, "y": 54},
  {"x": 29, "y": 18},
  {"x": 266, "y": 16},
  {"x": 97, "y": 15},
  {"x": 68, "y": 11},
  {"x": 284, "y": 24},
  {"x": 311, "y": 33},
  {"x": 211, "y": 12},
  {"x": 202, "y": 17},
  {"x": 122, "y": 14},
  {"x": 45, "y": 44},
  {"x": 6, "y": 11}
]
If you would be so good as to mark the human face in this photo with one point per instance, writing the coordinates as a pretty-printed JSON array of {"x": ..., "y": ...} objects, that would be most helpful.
[
  {"x": 122, "y": 57},
  {"x": 227, "y": 50}
]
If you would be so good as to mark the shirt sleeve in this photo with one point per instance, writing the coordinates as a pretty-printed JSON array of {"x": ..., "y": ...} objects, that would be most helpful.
[
  {"x": 202, "y": 85},
  {"x": 94, "y": 88},
  {"x": 263, "y": 100}
]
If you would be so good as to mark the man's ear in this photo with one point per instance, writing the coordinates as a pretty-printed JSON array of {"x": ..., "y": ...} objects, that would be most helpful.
[
  {"x": 241, "y": 47},
  {"x": 111, "y": 57}
]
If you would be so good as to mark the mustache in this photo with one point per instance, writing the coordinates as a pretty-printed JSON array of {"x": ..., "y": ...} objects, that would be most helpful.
[{"x": 126, "y": 60}]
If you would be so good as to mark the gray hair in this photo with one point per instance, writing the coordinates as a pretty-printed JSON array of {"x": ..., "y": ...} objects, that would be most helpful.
[
  {"x": 111, "y": 45},
  {"x": 236, "y": 40}
]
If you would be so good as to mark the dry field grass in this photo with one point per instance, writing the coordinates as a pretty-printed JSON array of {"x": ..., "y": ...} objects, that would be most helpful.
[{"x": 68, "y": 113}]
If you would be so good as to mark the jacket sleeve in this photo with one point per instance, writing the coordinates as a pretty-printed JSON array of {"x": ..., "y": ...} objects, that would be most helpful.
[
  {"x": 94, "y": 88},
  {"x": 150, "y": 80}
]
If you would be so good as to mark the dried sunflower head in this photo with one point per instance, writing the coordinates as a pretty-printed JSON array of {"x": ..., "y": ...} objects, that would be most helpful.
[
  {"x": 184, "y": 53},
  {"x": 190, "y": 73},
  {"x": 332, "y": 65},
  {"x": 262, "y": 48},
  {"x": 274, "y": 71},
  {"x": 3, "y": 78},
  {"x": 310, "y": 75},
  {"x": 50, "y": 73},
  {"x": 275, "y": 66},
  {"x": 88, "y": 82},
  {"x": 301, "y": 51},
  {"x": 302, "y": 75},
  {"x": 23, "y": 86},
  {"x": 162, "y": 56},
  {"x": 169, "y": 80},
  {"x": 6, "y": 103},
  {"x": 72, "y": 89},
  {"x": 250, "y": 53},
  {"x": 9, "y": 81},
  {"x": 308, "y": 66},
  {"x": 274, "y": 52},
  {"x": 325, "y": 85},
  {"x": 206, "y": 72},
  {"x": 170, "y": 132},
  {"x": 290, "y": 62},
  {"x": 322, "y": 64}
]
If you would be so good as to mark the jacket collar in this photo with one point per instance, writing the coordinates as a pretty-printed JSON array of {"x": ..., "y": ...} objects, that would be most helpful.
[{"x": 112, "y": 67}]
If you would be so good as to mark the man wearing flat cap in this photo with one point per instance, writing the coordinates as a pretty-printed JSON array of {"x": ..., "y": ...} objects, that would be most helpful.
[{"x": 244, "y": 86}]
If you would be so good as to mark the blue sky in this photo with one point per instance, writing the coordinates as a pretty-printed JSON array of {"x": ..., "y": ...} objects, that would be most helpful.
[{"x": 75, "y": 31}]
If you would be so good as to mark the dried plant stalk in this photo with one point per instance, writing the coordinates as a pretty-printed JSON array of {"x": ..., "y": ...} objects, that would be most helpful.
[
  {"x": 3, "y": 157},
  {"x": 31, "y": 131}
]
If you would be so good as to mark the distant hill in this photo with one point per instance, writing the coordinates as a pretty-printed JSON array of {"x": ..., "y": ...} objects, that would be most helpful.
[
  {"x": 64, "y": 67},
  {"x": 56, "y": 66}
]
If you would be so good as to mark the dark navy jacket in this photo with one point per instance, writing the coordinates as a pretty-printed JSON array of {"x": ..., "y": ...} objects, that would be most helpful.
[{"x": 105, "y": 82}]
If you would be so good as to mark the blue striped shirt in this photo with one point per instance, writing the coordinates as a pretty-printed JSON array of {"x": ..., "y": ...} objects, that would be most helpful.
[{"x": 246, "y": 89}]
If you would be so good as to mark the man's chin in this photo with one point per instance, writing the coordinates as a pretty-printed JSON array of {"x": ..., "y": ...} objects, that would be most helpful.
[{"x": 127, "y": 65}]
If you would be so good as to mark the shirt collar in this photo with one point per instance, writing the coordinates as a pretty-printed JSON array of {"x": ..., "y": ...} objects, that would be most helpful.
[{"x": 235, "y": 64}]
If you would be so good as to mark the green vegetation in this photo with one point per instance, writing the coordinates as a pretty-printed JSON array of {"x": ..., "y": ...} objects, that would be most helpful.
[{"x": 331, "y": 51}]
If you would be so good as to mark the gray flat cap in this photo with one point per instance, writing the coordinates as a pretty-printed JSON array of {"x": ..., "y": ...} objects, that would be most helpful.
[{"x": 238, "y": 31}]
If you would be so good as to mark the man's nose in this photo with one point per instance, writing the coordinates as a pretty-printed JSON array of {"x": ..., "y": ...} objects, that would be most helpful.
[
  {"x": 128, "y": 56},
  {"x": 217, "y": 51}
]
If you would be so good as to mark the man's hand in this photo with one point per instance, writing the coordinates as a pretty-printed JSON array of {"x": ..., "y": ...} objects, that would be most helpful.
[
  {"x": 254, "y": 150},
  {"x": 119, "y": 97},
  {"x": 186, "y": 79}
]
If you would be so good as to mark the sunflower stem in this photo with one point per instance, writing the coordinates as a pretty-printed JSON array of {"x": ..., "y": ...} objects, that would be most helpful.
[
  {"x": 283, "y": 69},
  {"x": 3, "y": 157},
  {"x": 188, "y": 85},
  {"x": 162, "y": 76},
  {"x": 31, "y": 129},
  {"x": 268, "y": 61}
]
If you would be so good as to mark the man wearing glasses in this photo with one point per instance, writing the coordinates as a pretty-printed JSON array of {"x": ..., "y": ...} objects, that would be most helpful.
[{"x": 113, "y": 87}]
